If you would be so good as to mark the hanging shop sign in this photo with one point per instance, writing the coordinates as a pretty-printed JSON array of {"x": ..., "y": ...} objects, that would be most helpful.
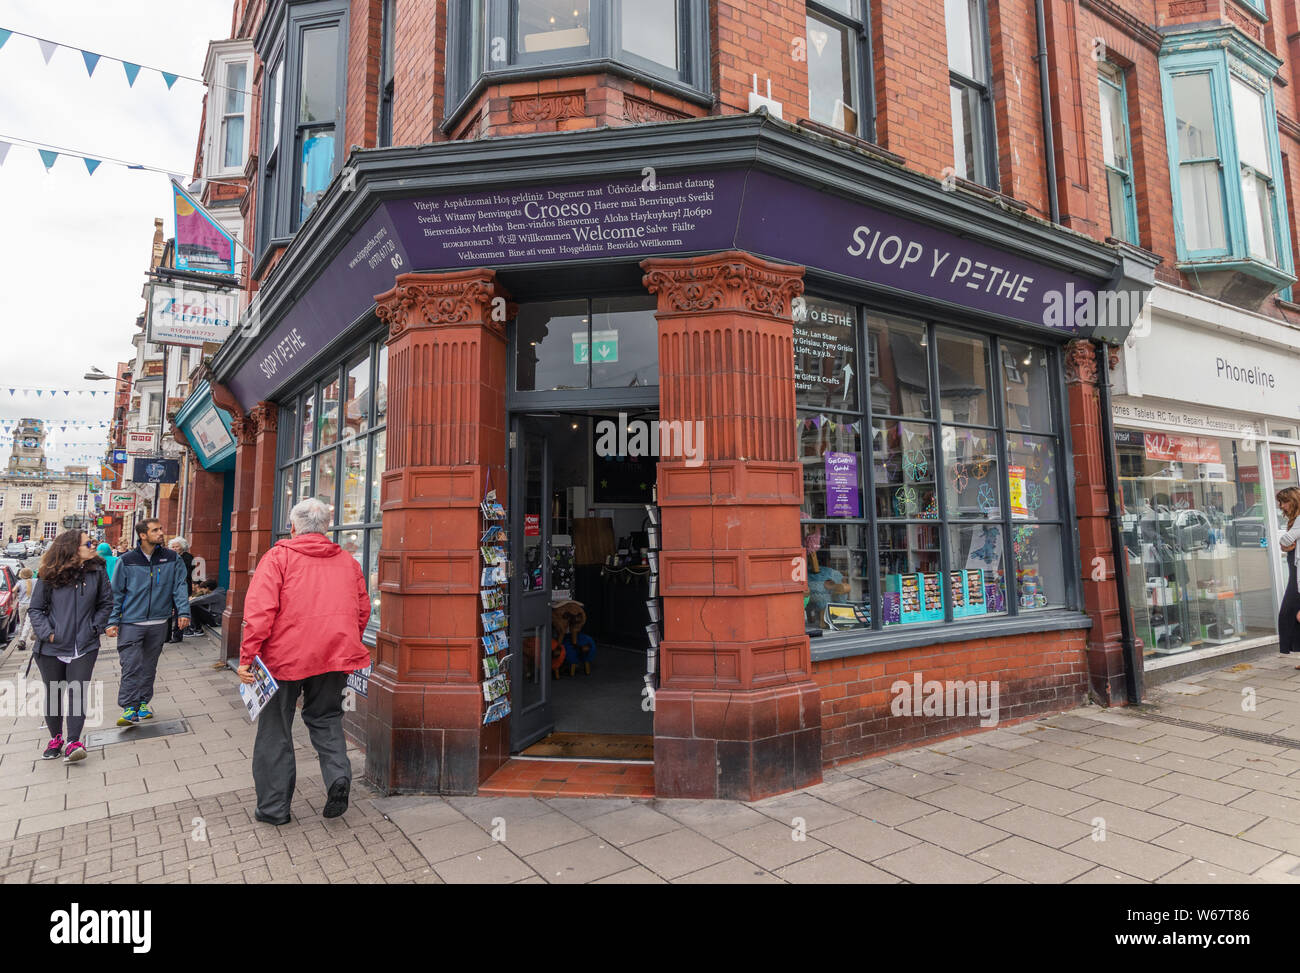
[
  {"x": 141, "y": 443},
  {"x": 120, "y": 502},
  {"x": 211, "y": 433},
  {"x": 119, "y": 456},
  {"x": 202, "y": 244},
  {"x": 628, "y": 219},
  {"x": 183, "y": 314},
  {"x": 156, "y": 470}
]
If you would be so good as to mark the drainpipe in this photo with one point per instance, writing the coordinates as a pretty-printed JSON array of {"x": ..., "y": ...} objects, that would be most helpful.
[
  {"x": 1045, "y": 93},
  {"x": 1132, "y": 661}
]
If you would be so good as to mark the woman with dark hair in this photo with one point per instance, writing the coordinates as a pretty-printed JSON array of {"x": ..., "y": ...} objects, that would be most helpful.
[
  {"x": 1288, "y": 619},
  {"x": 69, "y": 612}
]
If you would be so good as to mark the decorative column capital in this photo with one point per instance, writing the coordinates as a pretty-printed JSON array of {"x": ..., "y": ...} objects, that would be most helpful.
[
  {"x": 242, "y": 428},
  {"x": 265, "y": 418},
  {"x": 445, "y": 299},
  {"x": 1080, "y": 362},
  {"x": 722, "y": 282}
]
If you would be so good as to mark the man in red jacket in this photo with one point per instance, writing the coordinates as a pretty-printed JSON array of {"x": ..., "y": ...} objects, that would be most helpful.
[{"x": 304, "y": 614}]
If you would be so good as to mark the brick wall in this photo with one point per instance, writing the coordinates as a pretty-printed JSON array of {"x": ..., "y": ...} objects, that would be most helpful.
[{"x": 1037, "y": 673}]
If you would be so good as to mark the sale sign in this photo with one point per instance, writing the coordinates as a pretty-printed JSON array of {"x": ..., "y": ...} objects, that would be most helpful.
[{"x": 1181, "y": 449}]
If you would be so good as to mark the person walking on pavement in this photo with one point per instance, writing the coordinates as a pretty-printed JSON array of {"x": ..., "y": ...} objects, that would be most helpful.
[
  {"x": 303, "y": 616},
  {"x": 1288, "y": 618},
  {"x": 69, "y": 612},
  {"x": 105, "y": 551},
  {"x": 182, "y": 548},
  {"x": 148, "y": 584},
  {"x": 23, "y": 591}
]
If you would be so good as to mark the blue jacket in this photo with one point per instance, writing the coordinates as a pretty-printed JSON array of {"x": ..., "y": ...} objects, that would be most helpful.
[{"x": 149, "y": 589}]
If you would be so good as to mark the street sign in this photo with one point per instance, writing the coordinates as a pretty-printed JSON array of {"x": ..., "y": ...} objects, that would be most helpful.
[{"x": 156, "y": 470}]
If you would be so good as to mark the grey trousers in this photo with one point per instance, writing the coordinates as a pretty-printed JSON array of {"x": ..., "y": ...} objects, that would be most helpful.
[
  {"x": 274, "y": 770},
  {"x": 139, "y": 647}
]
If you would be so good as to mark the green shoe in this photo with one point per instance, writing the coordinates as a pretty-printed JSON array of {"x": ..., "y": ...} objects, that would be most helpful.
[
  {"x": 144, "y": 712},
  {"x": 129, "y": 717}
]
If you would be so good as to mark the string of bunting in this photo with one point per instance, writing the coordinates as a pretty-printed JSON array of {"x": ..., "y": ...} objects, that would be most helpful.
[
  {"x": 50, "y": 154},
  {"x": 91, "y": 60},
  {"x": 14, "y": 390},
  {"x": 816, "y": 422}
]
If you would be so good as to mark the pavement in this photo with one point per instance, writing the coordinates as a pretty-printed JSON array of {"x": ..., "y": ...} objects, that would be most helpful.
[{"x": 1202, "y": 785}]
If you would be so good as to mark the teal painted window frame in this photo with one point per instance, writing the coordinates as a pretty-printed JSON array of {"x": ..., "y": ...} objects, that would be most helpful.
[
  {"x": 1126, "y": 175},
  {"x": 1257, "y": 6},
  {"x": 1219, "y": 61}
]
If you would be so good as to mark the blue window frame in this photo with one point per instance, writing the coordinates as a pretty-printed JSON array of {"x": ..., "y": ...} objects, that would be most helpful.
[
  {"x": 1225, "y": 160},
  {"x": 1117, "y": 152}
]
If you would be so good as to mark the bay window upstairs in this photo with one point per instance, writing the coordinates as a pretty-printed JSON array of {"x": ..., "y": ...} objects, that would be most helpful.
[{"x": 1230, "y": 215}]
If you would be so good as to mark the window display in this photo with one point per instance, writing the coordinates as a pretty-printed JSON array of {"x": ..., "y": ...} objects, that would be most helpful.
[
  {"x": 347, "y": 472},
  {"x": 952, "y": 507},
  {"x": 1194, "y": 536}
]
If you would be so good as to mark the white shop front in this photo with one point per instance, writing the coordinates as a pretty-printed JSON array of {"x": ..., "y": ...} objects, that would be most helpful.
[{"x": 1206, "y": 411}]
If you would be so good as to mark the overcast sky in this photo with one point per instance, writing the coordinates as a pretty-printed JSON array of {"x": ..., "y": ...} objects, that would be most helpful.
[{"x": 74, "y": 247}]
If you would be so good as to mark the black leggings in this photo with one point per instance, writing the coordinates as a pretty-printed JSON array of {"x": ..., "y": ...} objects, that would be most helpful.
[{"x": 67, "y": 689}]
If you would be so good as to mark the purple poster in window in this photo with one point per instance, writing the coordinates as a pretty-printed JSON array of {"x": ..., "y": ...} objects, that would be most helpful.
[{"x": 842, "y": 485}]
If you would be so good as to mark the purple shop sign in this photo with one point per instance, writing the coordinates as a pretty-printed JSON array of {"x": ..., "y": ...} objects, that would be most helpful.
[
  {"x": 624, "y": 218},
  {"x": 842, "y": 499}
]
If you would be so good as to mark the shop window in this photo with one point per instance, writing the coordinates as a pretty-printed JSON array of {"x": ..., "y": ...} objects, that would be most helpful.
[
  {"x": 341, "y": 465},
  {"x": 839, "y": 63},
  {"x": 387, "y": 85},
  {"x": 491, "y": 39},
  {"x": 228, "y": 74},
  {"x": 1116, "y": 152},
  {"x": 928, "y": 464},
  {"x": 303, "y": 103},
  {"x": 1194, "y": 522},
  {"x": 580, "y": 344},
  {"x": 1225, "y": 162},
  {"x": 973, "y": 136}
]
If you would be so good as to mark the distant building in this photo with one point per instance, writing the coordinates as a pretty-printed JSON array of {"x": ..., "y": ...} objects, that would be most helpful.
[{"x": 37, "y": 502}]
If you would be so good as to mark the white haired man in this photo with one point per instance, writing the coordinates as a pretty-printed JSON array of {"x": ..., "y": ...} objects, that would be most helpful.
[{"x": 304, "y": 614}]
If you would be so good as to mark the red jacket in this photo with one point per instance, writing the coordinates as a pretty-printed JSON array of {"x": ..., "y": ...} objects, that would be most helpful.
[{"x": 306, "y": 609}]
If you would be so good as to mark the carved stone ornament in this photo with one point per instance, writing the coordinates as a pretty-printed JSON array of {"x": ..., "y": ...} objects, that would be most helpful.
[
  {"x": 266, "y": 416},
  {"x": 240, "y": 428},
  {"x": 436, "y": 300},
  {"x": 726, "y": 285},
  {"x": 640, "y": 112},
  {"x": 548, "y": 108},
  {"x": 1080, "y": 362}
]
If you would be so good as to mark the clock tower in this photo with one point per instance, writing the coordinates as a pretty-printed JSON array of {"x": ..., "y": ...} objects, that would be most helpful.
[{"x": 29, "y": 447}]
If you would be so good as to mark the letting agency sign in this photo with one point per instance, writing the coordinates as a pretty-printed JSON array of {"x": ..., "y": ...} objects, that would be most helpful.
[{"x": 182, "y": 314}]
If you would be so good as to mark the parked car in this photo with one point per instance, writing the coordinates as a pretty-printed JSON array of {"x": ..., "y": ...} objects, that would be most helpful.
[
  {"x": 34, "y": 548},
  {"x": 18, "y": 549},
  {"x": 8, "y": 603}
]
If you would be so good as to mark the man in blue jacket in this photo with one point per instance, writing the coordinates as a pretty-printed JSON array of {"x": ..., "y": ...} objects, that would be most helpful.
[{"x": 148, "y": 584}]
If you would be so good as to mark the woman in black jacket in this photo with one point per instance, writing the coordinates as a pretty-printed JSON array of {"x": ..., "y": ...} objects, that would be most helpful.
[{"x": 69, "y": 611}]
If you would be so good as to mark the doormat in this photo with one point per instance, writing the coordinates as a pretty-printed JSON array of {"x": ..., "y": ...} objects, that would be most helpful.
[
  {"x": 141, "y": 731},
  {"x": 594, "y": 746}
]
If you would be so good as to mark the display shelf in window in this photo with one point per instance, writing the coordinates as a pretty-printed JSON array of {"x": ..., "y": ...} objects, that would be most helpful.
[
  {"x": 654, "y": 603},
  {"x": 919, "y": 598},
  {"x": 969, "y": 593},
  {"x": 495, "y": 639}
]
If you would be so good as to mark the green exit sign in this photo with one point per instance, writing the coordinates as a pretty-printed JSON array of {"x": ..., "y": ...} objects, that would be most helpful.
[{"x": 602, "y": 349}]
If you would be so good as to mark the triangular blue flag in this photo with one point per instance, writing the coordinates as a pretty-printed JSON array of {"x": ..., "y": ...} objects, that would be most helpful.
[
  {"x": 91, "y": 61},
  {"x": 48, "y": 156},
  {"x": 4, "y": 36},
  {"x": 131, "y": 71},
  {"x": 65, "y": 392},
  {"x": 169, "y": 78},
  {"x": 91, "y": 165},
  {"x": 38, "y": 393}
]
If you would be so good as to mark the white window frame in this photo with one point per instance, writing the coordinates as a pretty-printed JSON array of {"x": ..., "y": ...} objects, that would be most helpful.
[
  {"x": 82, "y": 502},
  {"x": 221, "y": 55},
  {"x": 51, "y": 501},
  {"x": 27, "y": 501},
  {"x": 50, "y": 530}
]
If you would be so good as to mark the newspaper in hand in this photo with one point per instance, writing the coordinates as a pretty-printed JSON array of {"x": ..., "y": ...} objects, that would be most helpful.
[{"x": 258, "y": 694}]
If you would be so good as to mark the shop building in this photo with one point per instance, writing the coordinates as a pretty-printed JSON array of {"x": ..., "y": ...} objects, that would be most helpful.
[{"x": 879, "y": 435}]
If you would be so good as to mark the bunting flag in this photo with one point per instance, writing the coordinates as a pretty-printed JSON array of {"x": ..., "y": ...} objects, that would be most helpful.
[
  {"x": 91, "y": 166},
  {"x": 49, "y": 153},
  {"x": 47, "y": 49},
  {"x": 92, "y": 60},
  {"x": 4, "y": 151},
  {"x": 4, "y": 36},
  {"x": 48, "y": 158},
  {"x": 169, "y": 78},
  {"x": 131, "y": 71}
]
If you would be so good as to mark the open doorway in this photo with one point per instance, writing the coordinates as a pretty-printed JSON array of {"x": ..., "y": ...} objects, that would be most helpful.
[{"x": 579, "y": 591}]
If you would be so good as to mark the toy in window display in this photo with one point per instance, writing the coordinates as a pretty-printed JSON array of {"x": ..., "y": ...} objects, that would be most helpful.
[
  {"x": 825, "y": 584},
  {"x": 568, "y": 645}
]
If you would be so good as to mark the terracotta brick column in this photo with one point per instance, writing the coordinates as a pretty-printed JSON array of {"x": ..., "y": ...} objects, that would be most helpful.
[
  {"x": 261, "y": 523},
  {"x": 244, "y": 429},
  {"x": 1100, "y": 598},
  {"x": 446, "y": 430},
  {"x": 205, "y": 518},
  {"x": 737, "y": 715}
]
